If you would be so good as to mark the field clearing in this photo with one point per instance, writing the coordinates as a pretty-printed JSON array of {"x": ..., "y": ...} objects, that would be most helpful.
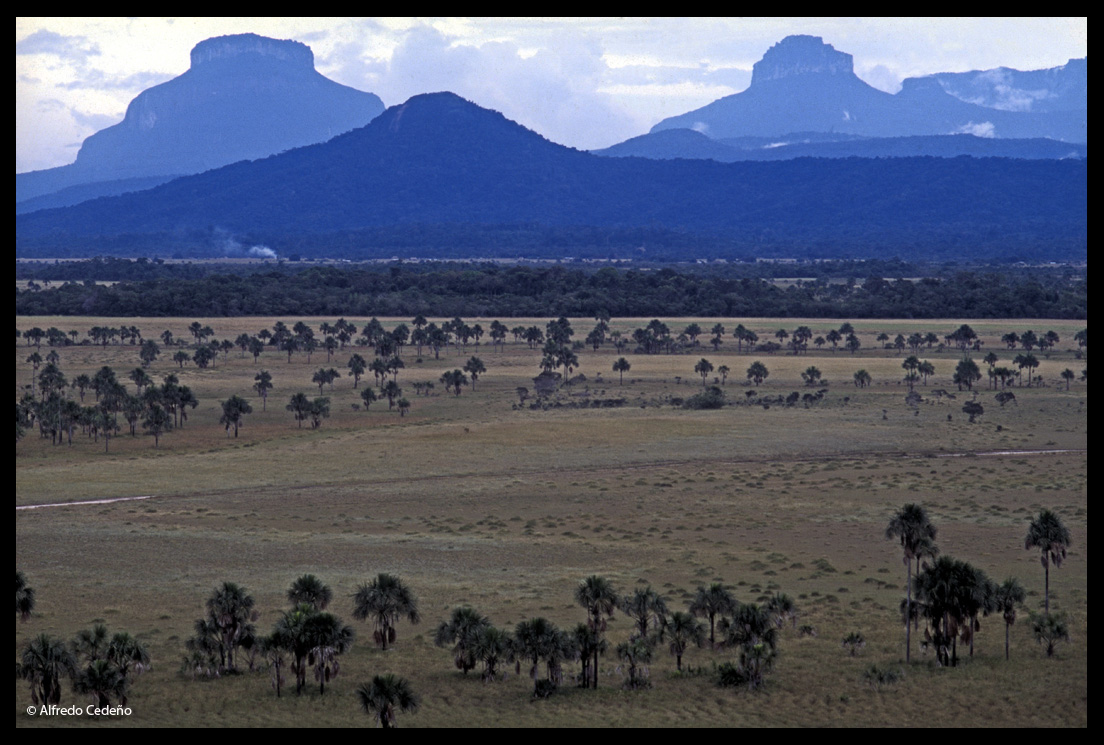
[{"x": 475, "y": 499}]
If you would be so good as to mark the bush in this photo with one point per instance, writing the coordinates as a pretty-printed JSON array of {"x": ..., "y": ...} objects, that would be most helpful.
[{"x": 714, "y": 398}]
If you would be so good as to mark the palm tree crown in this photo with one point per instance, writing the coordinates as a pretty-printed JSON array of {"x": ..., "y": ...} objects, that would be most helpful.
[
  {"x": 385, "y": 600},
  {"x": 309, "y": 589},
  {"x": 385, "y": 696}
]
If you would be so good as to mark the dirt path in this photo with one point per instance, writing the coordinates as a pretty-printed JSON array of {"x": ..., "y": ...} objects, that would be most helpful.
[{"x": 91, "y": 501}]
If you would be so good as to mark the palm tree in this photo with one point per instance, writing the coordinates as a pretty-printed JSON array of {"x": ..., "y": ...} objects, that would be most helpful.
[
  {"x": 385, "y": 696},
  {"x": 682, "y": 629},
  {"x": 1050, "y": 630},
  {"x": 621, "y": 366},
  {"x": 291, "y": 634},
  {"x": 234, "y": 410},
  {"x": 43, "y": 663},
  {"x": 539, "y": 639},
  {"x": 273, "y": 648},
  {"x": 103, "y": 681},
  {"x": 757, "y": 372},
  {"x": 1008, "y": 596},
  {"x": 300, "y": 406},
  {"x": 385, "y": 600},
  {"x": 328, "y": 637},
  {"x": 491, "y": 647},
  {"x": 636, "y": 653},
  {"x": 311, "y": 590},
  {"x": 1053, "y": 538},
  {"x": 647, "y": 609},
  {"x": 230, "y": 609},
  {"x": 782, "y": 606},
  {"x": 475, "y": 368},
  {"x": 945, "y": 589},
  {"x": 713, "y": 602},
  {"x": 461, "y": 630},
  {"x": 127, "y": 654},
  {"x": 752, "y": 631},
  {"x": 599, "y": 598},
  {"x": 912, "y": 526},
  {"x": 703, "y": 368},
  {"x": 24, "y": 597}
]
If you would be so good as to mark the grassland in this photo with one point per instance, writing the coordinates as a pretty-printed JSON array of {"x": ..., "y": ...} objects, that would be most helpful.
[{"x": 474, "y": 499}]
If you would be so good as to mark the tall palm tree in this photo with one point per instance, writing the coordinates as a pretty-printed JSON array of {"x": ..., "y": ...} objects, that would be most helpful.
[
  {"x": 590, "y": 644},
  {"x": 291, "y": 633},
  {"x": 328, "y": 637},
  {"x": 1008, "y": 596},
  {"x": 914, "y": 530},
  {"x": 1048, "y": 534},
  {"x": 311, "y": 590},
  {"x": 598, "y": 596},
  {"x": 230, "y": 609},
  {"x": 713, "y": 602},
  {"x": 682, "y": 630},
  {"x": 43, "y": 663},
  {"x": 462, "y": 630},
  {"x": 945, "y": 589},
  {"x": 385, "y": 600},
  {"x": 385, "y": 696}
]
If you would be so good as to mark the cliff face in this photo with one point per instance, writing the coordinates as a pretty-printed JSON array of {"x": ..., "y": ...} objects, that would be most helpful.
[
  {"x": 801, "y": 55},
  {"x": 244, "y": 97}
]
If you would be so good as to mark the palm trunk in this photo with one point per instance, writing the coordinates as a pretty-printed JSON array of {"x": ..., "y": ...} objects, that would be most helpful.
[{"x": 908, "y": 612}]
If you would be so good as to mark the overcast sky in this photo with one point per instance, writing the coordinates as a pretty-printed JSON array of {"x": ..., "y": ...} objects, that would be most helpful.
[{"x": 587, "y": 83}]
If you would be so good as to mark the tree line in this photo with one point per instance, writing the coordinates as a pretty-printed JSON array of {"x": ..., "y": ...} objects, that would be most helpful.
[{"x": 515, "y": 291}]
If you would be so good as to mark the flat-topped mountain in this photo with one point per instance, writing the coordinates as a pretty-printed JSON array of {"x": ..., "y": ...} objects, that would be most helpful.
[
  {"x": 244, "y": 97},
  {"x": 804, "y": 85}
]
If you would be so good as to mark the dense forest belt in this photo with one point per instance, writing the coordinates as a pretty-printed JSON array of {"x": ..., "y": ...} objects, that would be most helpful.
[{"x": 526, "y": 291}]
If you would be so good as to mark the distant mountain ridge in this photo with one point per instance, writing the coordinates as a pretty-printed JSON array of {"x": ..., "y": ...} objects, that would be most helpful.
[
  {"x": 669, "y": 144},
  {"x": 244, "y": 97},
  {"x": 803, "y": 84},
  {"x": 438, "y": 165}
]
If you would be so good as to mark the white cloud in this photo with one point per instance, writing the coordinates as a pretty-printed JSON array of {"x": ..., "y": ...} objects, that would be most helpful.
[{"x": 981, "y": 129}]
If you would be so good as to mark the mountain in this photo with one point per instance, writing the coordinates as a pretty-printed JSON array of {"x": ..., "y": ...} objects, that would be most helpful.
[
  {"x": 244, "y": 97},
  {"x": 668, "y": 144},
  {"x": 802, "y": 84},
  {"x": 438, "y": 170},
  {"x": 1062, "y": 88}
]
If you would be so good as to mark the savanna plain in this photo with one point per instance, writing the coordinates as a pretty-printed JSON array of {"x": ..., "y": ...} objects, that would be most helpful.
[{"x": 487, "y": 500}]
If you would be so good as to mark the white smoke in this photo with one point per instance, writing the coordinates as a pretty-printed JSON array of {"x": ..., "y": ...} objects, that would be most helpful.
[
  {"x": 262, "y": 252},
  {"x": 233, "y": 249}
]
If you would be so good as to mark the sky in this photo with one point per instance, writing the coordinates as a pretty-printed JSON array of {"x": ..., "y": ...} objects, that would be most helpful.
[{"x": 586, "y": 83}]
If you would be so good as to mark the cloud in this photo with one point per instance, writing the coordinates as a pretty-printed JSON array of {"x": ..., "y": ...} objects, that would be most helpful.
[
  {"x": 136, "y": 82},
  {"x": 76, "y": 49},
  {"x": 553, "y": 91},
  {"x": 981, "y": 129}
]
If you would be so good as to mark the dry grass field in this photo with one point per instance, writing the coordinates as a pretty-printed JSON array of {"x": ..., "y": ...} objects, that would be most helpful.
[{"x": 476, "y": 499}]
